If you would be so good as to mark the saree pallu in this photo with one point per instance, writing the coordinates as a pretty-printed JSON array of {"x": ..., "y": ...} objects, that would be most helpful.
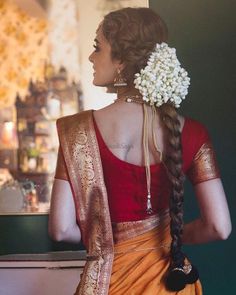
[
  {"x": 133, "y": 272},
  {"x": 142, "y": 261}
]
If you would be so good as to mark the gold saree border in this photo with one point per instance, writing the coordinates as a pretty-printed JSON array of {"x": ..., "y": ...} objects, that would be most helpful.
[
  {"x": 123, "y": 231},
  {"x": 204, "y": 166},
  {"x": 81, "y": 153}
]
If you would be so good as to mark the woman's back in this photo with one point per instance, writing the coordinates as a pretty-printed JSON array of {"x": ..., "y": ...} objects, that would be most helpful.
[
  {"x": 140, "y": 255},
  {"x": 121, "y": 127}
]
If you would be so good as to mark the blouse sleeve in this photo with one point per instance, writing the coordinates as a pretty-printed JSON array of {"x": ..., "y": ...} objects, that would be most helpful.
[
  {"x": 203, "y": 166},
  {"x": 61, "y": 170}
]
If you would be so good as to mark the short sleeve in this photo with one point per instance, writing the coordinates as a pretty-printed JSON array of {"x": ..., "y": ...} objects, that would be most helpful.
[
  {"x": 61, "y": 171},
  {"x": 203, "y": 165}
]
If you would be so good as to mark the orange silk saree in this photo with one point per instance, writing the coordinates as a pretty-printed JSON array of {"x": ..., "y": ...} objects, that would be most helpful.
[
  {"x": 142, "y": 261},
  {"x": 123, "y": 258}
]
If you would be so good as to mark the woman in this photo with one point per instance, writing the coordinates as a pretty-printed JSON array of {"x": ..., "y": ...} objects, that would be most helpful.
[{"x": 120, "y": 172}]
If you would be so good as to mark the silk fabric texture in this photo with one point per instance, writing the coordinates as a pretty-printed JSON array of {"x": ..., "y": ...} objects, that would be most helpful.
[{"x": 135, "y": 261}]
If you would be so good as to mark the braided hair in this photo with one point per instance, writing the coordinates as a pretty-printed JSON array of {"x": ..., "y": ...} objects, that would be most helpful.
[
  {"x": 173, "y": 163},
  {"x": 133, "y": 34}
]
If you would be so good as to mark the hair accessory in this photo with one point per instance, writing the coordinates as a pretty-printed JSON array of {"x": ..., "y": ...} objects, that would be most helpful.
[
  {"x": 163, "y": 79},
  {"x": 178, "y": 277},
  {"x": 131, "y": 98},
  {"x": 119, "y": 80},
  {"x": 192, "y": 275}
]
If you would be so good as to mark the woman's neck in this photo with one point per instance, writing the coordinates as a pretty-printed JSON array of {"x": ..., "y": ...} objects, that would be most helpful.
[{"x": 127, "y": 91}]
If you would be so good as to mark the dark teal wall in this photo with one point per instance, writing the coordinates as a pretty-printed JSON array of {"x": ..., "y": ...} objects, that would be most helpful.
[
  {"x": 28, "y": 234},
  {"x": 204, "y": 33}
]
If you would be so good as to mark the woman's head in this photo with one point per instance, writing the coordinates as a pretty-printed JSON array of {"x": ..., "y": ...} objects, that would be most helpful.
[
  {"x": 132, "y": 34},
  {"x": 124, "y": 41},
  {"x": 105, "y": 67}
]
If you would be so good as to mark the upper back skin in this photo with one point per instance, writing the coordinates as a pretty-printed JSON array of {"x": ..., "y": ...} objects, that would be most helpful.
[{"x": 121, "y": 127}]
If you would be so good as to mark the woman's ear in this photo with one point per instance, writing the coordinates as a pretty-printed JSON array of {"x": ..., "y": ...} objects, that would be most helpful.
[
  {"x": 122, "y": 66},
  {"x": 119, "y": 65}
]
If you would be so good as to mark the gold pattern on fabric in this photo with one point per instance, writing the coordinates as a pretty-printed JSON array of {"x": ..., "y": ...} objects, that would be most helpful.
[
  {"x": 61, "y": 172},
  {"x": 204, "y": 166},
  {"x": 82, "y": 158},
  {"x": 123, "y": 231}
]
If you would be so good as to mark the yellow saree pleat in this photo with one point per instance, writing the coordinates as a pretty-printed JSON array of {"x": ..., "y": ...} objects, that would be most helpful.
[{"x": 140, "y": 264}]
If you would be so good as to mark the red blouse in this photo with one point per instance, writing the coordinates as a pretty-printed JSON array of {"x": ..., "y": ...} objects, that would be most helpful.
[{"x": 126, "y": 182}]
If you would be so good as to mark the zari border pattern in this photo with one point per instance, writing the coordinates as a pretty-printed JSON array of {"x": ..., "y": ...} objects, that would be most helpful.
[
  {"x": 81, "y": 153},
  {"x": 204, "y": 166},
  {"x": 123, "y": 231}
]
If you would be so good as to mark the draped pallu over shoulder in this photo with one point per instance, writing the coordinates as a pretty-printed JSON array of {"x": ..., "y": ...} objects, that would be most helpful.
[
  {"x": 124, "y": 257},
  {"x": 82, "y": 158}
]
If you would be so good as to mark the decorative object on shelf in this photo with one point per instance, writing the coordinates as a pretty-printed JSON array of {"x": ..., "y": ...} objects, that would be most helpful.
[
  {"x": 8, "y": 139},
  {"x": 37, "y": 113},
  {"x": 20, "y": 197},
  {"x": 11, "y": 197},
  {"x": 5, "y": 176},
  {"x": 31, "y": 200},
  {"x": 8, "y": 159},
  {"x": 36, "y": 116}
]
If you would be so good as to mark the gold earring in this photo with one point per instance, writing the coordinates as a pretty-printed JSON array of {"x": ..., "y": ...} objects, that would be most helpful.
[{"x": 119, "y": 80}]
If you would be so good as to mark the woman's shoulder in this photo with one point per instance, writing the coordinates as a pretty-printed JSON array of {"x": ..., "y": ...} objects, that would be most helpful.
[
  {"x": 194, "y": 126},
  {"x": 194, "y": 132},
  {"x": 74, "y": 117},
  {"x": 74, "y": 123},
  {"x": 188, "y": 124}
]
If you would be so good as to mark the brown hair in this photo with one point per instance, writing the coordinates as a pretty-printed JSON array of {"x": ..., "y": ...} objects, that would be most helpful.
[{"x": 133, "y": 34}]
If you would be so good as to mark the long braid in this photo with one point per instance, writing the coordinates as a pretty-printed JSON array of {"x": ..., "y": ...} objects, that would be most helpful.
[
  {"x": 178, "y": 275},
  {"x": 173, "y": 163}
]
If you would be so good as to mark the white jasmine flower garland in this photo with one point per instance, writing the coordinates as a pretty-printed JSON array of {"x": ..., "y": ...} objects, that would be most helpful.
[{"x": 163, "y": 79}]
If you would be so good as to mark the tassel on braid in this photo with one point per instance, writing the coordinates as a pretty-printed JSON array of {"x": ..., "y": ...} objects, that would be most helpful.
[{"x": 178, "y": 277}]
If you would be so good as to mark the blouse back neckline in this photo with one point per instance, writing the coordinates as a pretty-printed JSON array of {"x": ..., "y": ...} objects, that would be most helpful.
[{"x": 126, "y": 164}]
